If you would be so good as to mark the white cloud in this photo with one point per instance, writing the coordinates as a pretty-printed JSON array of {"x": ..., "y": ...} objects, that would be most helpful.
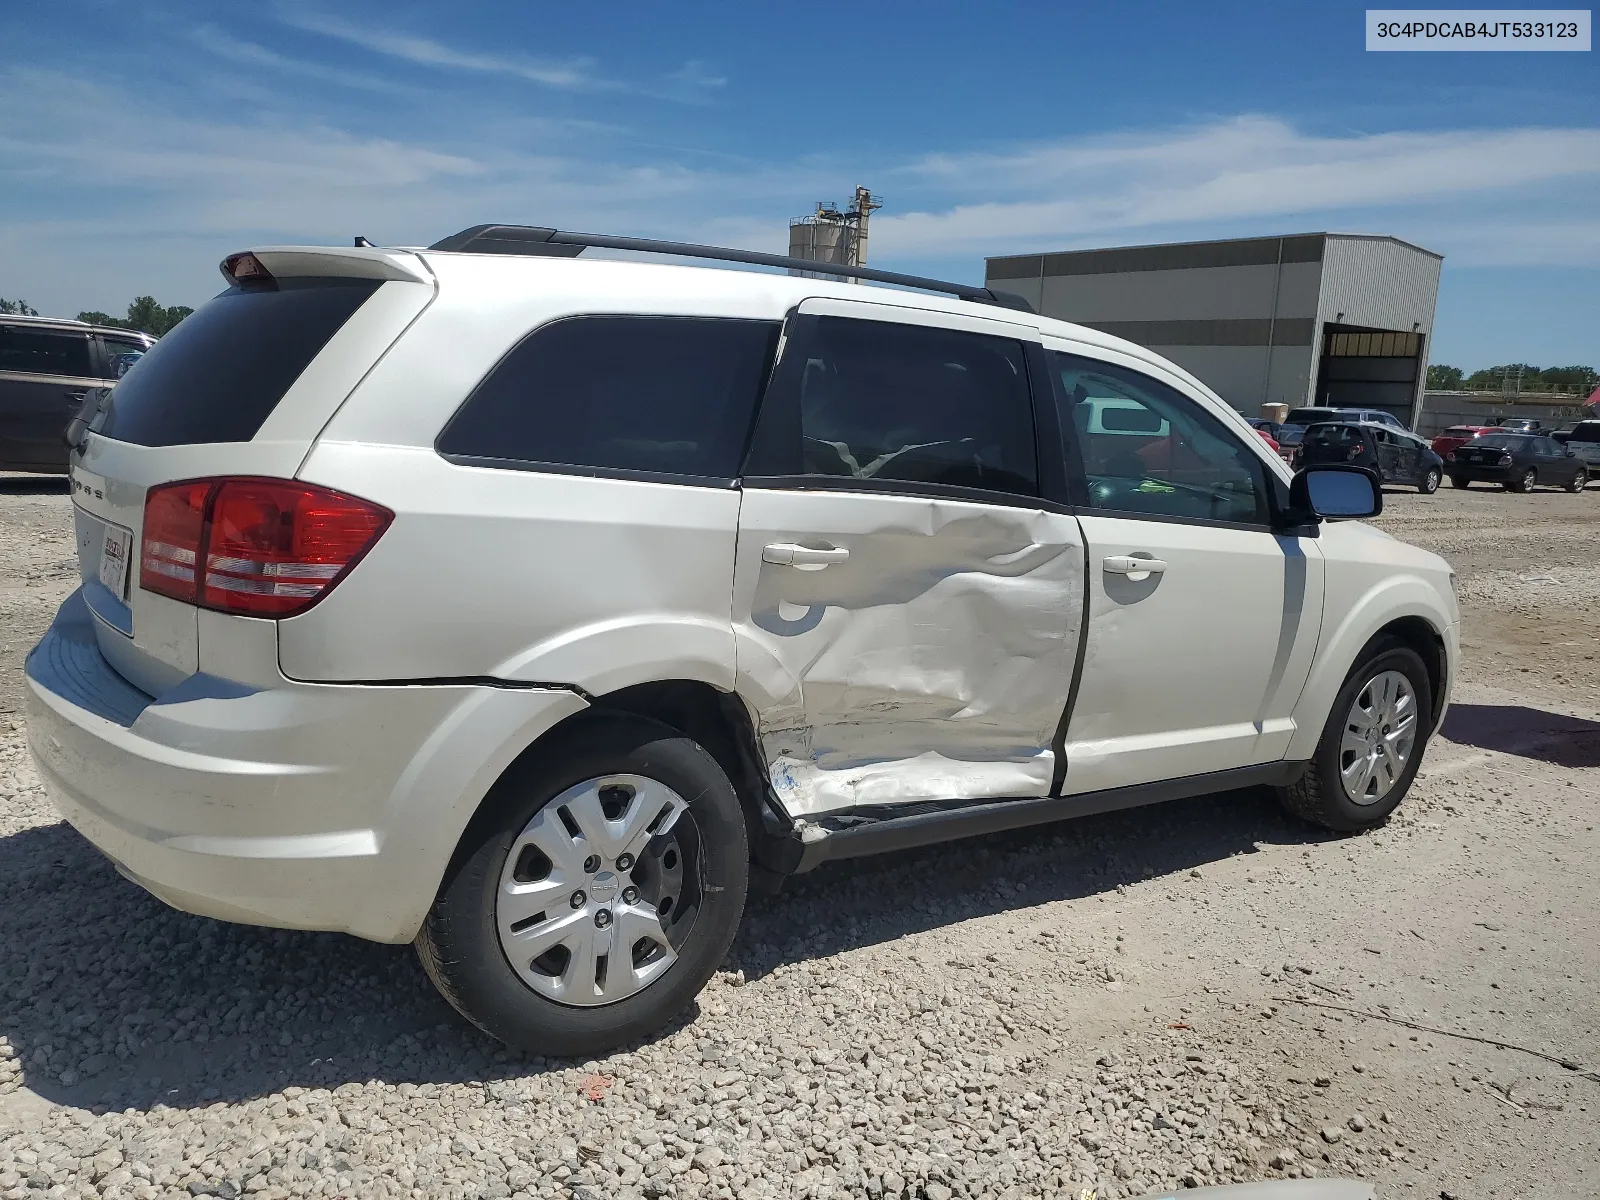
[
  {"x": 252, "y": 54},
  {"x": 1247, "y": 167},
  {"x": 575, "y": 74}
]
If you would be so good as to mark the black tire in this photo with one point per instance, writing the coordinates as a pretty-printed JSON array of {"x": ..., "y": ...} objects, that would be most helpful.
[
  {"x": 1318, "y": 796},
  {"x": 1460, "y": 481},
  {"x": 1430, "y": 482},
  {"x": 1526, "y": 483},
  {"x": 1579, "y": 481},
  {"x": 459, "y": 943}
]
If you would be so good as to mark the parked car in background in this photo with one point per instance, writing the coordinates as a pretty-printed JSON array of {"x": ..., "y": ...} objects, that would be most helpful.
[
  {"x": 1583, "y": 442},
  {"x": 1397, "y": 455},
  {"x": 1268, "y": 431},
  {"x": 534, "y": 608},
  {"x": 1521, "y": 425},
  {"x": 47, "y": 367},
  {"x": 1518, "y": 462},
  {"x": 1447, "y": 443},
  {"x": 1316, "y": 414}
]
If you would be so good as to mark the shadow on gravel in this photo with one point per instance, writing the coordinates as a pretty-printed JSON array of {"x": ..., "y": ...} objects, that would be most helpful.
[
  {"x": 33, "y": 485},
  {"x": 111, "y": 999},
  {"x": 1526, "y": 732}
]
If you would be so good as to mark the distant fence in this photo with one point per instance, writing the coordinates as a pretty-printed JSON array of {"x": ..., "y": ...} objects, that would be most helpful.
[{"x": 1440, "y": 410}]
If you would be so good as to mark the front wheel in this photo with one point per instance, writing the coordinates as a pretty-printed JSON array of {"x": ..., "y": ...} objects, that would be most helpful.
[
  {"x": 596, "y": 892},
  {"x": 1579, "y": 481},
  {"x": 1430, "y": 482},
  {"x": 1371, "y": 746},
  {"x": 1529, "y": 478}
]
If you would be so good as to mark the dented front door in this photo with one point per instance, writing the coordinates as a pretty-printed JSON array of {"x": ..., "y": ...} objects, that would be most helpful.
[{"x": 930, "y": 660}]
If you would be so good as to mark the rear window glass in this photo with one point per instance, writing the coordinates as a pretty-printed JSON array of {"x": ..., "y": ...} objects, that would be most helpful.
[
  {"x": 1310, "y": 416},
  {"x": 1501, "y": 441},
  {"x": 221, "y": 372},
  {"x": 1332, "y": 435},
  {"x": 44, "y": 351},
  {"x": 654, "y": 395},
  {"x": 1585, "y": 433}
]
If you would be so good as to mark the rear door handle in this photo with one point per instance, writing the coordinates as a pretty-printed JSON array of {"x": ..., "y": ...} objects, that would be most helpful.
[
  {"x": 1132, "y": 567},
  {"x": 788, "y": 554}
]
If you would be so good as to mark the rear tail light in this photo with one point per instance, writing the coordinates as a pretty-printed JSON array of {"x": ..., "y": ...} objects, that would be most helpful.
[
  {"x": 1355, "y": 453},
  {"x": 256, "y": 547},
  {"x": 1505, "y": 460}
]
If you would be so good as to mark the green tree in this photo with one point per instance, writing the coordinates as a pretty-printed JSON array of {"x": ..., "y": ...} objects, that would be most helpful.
[
  {"x": 1444, "y": 379},
  {"x": 1582, "y": 380},
  {"x": 144, "y": 314},
  {"x": 17, "y": 308}
]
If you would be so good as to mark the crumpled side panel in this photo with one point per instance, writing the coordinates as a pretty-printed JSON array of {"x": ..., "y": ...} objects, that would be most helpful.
[{"x": 933, "y": 664}]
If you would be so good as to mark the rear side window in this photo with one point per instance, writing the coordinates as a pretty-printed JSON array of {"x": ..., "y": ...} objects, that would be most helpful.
[
  {"x": 44, "y": 352},
  {"x": 919, "y": 405},
  {"x": 221, "y": 372},
  {"x": 654, "y": 395},
  {"x": 1586, "y": 433}
]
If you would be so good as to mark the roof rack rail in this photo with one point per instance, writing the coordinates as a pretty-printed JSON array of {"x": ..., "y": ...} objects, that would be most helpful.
[{"x": 537, "y": 240}]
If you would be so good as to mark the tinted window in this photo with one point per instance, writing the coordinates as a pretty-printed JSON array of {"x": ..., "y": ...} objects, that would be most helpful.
[
  {"x": 1310, "y": 416},
  {"x": 44, "y": 351},
  {"x": 1332, "y": 435},
  {"x": 1181, "y": 461},
  {"x": 661, "y": 395},
  {"x": 888, "y": 401},
  {"x": 1501, "y": 441},
  {"x": 1586, "y": 433},
  {"x": 221, "y": 372}
]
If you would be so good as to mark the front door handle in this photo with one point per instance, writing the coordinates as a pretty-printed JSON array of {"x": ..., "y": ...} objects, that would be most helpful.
[
  {"x": 1133, "y": 567},
  {"x": 788, "y": 554}
]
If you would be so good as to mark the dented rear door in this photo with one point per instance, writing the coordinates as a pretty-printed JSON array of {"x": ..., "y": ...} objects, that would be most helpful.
[{"x": 907, "y": 613}]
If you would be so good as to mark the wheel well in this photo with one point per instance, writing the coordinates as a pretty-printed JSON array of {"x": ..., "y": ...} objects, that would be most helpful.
[
  {"x": 1416, "y": 634},
  {"x": 720, "y": 722}
]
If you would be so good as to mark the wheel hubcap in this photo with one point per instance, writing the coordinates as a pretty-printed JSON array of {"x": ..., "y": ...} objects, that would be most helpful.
[
  {"x": 594, "y": 899},
  {"x": 1380, "y": 734}
]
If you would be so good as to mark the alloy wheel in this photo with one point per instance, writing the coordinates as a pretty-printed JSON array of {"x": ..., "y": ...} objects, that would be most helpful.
[
  {"x": 599, "y": 890},
  {"x": 1380, "y": 733}
]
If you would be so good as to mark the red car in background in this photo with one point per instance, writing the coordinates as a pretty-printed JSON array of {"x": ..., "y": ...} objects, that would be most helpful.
[{"x": 1452, "y": 439}]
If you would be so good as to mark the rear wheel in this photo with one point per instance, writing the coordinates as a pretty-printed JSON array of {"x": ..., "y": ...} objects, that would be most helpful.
[
  {"x": 1526, "y": 483},
  {"x": 1430, "y": 482},
  {"x": 596, "y": 893},
  {"x": 1579, "y": 481},
  {"x": 1371, "y": 746},
  {"x": 1460, "y": 481}
]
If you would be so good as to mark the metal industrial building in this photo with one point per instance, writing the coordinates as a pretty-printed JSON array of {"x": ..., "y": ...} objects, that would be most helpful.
[{"x": 1315, "y": 318}]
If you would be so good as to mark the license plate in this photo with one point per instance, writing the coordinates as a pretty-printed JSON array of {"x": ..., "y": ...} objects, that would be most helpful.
[{"x": 114, "y": 560}]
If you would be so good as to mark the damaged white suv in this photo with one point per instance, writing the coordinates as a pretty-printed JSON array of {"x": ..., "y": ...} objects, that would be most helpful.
[{"x": 532, "y": 608}]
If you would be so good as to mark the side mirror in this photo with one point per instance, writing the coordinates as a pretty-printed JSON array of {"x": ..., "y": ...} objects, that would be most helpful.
[{"x": 1337, "y": 492}]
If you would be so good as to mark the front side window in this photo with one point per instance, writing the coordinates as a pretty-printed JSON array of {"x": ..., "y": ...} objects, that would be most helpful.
[
  {"x": 655, "y": 395},
  {"x": 1147, "y": 448},
  {"x": 44, "y": 352},
  {"x": 887, "y": 401},
  {"x": 121, "y": 354}
]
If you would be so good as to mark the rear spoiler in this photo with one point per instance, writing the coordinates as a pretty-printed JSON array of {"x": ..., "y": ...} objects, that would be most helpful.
[{"x": 326, "y": 262}]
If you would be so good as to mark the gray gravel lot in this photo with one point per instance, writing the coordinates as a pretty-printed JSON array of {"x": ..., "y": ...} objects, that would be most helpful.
[{"x": 1147, "y": 999}]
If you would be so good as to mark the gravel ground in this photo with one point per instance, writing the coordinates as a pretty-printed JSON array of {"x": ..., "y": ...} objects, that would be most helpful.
[{"x": 1156, "y": 998}]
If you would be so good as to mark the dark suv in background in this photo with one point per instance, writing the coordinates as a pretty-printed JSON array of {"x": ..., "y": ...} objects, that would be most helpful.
[
  {"x": 1397, "y": 455},
  {"x": 47, "y": 367}
]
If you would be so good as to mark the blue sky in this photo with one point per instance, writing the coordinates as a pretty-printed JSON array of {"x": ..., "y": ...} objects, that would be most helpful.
[{"x": 140, "y": 143}]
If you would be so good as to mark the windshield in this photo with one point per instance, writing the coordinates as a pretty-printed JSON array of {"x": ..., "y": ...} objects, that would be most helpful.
[{"x": 1310, "y": 416}]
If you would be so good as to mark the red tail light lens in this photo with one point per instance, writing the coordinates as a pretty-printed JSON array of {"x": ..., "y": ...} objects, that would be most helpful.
[
  {"x": 263, "y": 547},
  {"x": 174, "y": 520}
]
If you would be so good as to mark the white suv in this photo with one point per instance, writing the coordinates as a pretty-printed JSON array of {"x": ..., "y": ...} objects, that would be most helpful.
[{"x": 534, "y": 608}]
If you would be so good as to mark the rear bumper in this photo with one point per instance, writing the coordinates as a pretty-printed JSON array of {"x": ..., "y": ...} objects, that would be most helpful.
[
  {"x": 330, "y": 807},
  {"x": 1481, "y": 474}
]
